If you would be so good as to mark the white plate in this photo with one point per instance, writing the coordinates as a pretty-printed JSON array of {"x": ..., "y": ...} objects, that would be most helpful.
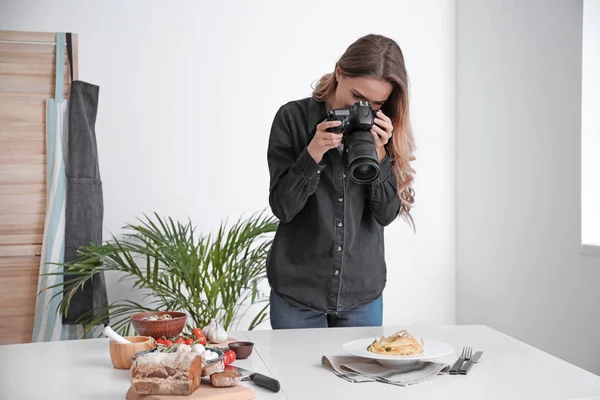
[{"x": 431, "y": 349}]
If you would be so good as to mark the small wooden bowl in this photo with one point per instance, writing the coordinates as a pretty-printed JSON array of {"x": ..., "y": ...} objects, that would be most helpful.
[
  {"x": 242, "y": 350},
  {"x": 157, "y": 329},
  {"x": 121, "y": 353}
]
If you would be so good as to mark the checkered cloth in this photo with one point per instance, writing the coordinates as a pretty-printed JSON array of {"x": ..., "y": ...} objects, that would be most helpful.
[{"x": 358, "y": 369}]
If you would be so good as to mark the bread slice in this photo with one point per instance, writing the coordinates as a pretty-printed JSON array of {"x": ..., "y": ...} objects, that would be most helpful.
[
  {"x": 225, "y": 379},
  {"x": 167, "y": 373}
]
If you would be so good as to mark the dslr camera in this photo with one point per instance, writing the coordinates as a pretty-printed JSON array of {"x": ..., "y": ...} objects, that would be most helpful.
[{"x": 356, "y": 125}]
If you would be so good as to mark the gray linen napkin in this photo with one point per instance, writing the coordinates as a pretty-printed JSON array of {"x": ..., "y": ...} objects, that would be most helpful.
[{"x": 358, "y": 369}]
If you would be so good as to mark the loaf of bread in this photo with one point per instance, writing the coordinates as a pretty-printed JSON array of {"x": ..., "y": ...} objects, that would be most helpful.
[{"x": 167, "y": 373}]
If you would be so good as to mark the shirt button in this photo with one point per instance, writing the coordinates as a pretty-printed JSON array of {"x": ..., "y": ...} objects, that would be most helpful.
[
  {"x": 336, "y": 272},
  {"x": 341, "y": 199},
  {"x": 340, "y": 224},
  {"x": 339, "y": 248},
  {"x": 318, "y": 172},
  {"x": 344, "y": 175}
]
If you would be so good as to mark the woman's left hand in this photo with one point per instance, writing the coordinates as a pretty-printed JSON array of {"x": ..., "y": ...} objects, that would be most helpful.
[{"x": 382, "y": 132}]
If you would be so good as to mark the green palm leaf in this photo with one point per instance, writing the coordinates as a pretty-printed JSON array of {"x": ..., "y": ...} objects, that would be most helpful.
[{"x": 206, "y": 276}]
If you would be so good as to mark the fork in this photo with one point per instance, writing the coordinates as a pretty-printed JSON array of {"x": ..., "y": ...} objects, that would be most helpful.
[{"x": 464, "y": 356}]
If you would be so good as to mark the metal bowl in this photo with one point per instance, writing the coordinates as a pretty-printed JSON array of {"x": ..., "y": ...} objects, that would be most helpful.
[{"x": 219, "y": 352}]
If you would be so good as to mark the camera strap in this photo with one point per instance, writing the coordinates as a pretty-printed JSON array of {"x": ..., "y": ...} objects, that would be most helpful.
[{"x": 70, "y": 54}]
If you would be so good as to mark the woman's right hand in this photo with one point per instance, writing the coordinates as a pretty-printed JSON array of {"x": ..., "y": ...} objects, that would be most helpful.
[{"x": 323, "y": 140}]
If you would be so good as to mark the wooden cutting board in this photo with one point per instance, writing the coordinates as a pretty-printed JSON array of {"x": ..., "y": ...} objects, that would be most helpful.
[{"x": 204, "y": 392}]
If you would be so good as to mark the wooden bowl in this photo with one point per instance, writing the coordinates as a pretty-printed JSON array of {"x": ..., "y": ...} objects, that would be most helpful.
[
  {"x": 157, "y": 329},
  {"x": 242, "y": 350},
  {"x": 121, "y": 353}
]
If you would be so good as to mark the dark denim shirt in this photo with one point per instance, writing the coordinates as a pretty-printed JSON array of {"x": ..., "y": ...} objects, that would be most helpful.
[{"x": 328, "y": 251}]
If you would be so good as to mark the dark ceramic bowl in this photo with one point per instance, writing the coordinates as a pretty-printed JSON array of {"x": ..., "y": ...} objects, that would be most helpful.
[
  {"x": 157, "y": 329},
  {"x": 242, "y": 350}
]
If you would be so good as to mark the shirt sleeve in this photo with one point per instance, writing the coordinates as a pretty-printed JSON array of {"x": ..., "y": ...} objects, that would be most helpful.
[
  {"x": 383, "y": 195},
  {"x": 294, "y": 178}
]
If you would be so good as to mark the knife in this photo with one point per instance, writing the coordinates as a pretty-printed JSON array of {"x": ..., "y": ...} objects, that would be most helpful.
[
  {"x": 467, "y": 366},
  {"x": 258, "y": 379}
]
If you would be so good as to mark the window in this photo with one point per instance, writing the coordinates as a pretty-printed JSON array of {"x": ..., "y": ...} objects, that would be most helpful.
[{"x": 590, "y": 127}]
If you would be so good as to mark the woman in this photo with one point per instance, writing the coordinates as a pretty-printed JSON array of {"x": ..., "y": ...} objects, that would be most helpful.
[{"x": 326, "y": 266}]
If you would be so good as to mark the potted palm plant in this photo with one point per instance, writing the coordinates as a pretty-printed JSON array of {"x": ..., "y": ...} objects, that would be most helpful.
[{"x": 213, "y": 276}]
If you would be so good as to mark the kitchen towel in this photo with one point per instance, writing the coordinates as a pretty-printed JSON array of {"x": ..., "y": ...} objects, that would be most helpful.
[
  {"x": 358, "y": 369},
  {"x": 47, "y": 324}
]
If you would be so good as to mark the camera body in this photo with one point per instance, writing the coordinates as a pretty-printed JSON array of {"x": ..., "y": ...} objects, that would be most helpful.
[
  {"x": 358, "y": 117},
  {"x": 356, "y": 124}
]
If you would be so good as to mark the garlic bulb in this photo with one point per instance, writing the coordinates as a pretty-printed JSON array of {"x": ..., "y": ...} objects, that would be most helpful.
[
  {"x": 215, "y": 333},
  {"x": 184, "y": 348},
  {"x": 198, "y": 348},
  {"x": 208, "y": 327}
]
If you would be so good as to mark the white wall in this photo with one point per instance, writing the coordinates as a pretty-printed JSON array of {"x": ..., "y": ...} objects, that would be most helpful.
[
  {"x": 590, "y": 124},
  {"x": 188, "y": 90},
  {"x": 519, "y": 267}
]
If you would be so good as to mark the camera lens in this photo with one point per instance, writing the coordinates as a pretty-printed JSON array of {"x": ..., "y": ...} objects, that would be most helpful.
[
  {"x": 362, "y": 157},
  {"x": 365, "y": 172}
]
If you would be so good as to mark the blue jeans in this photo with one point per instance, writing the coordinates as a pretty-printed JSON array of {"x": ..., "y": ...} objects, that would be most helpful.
[{"x": 288, "y": 315}]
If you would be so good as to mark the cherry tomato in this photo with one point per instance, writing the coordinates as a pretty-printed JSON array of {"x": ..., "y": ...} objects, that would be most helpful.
[
  {"x": 229, "y": 357},
  {"x": 226, "y": 359},
  {"x": 233, "y": 355},
  {"x": 179, "y": 340},
  {"x": 167, "y": 343},
  {"x": 197, "y": 332},
  {"x": 201, "y": 340},
  {"x": 189, "y": 341}
]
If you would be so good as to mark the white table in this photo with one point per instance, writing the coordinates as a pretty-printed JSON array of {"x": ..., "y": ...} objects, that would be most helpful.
[
  {"x": 81, "y": 370},
  {"x": 509, "y": 369}
]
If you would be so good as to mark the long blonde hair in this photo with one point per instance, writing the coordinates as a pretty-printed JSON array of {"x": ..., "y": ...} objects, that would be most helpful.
[{"x": 379, "y": 57}]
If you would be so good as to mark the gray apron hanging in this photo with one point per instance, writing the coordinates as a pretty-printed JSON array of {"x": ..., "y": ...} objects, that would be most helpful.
[{"x": 85, "y": 204}]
